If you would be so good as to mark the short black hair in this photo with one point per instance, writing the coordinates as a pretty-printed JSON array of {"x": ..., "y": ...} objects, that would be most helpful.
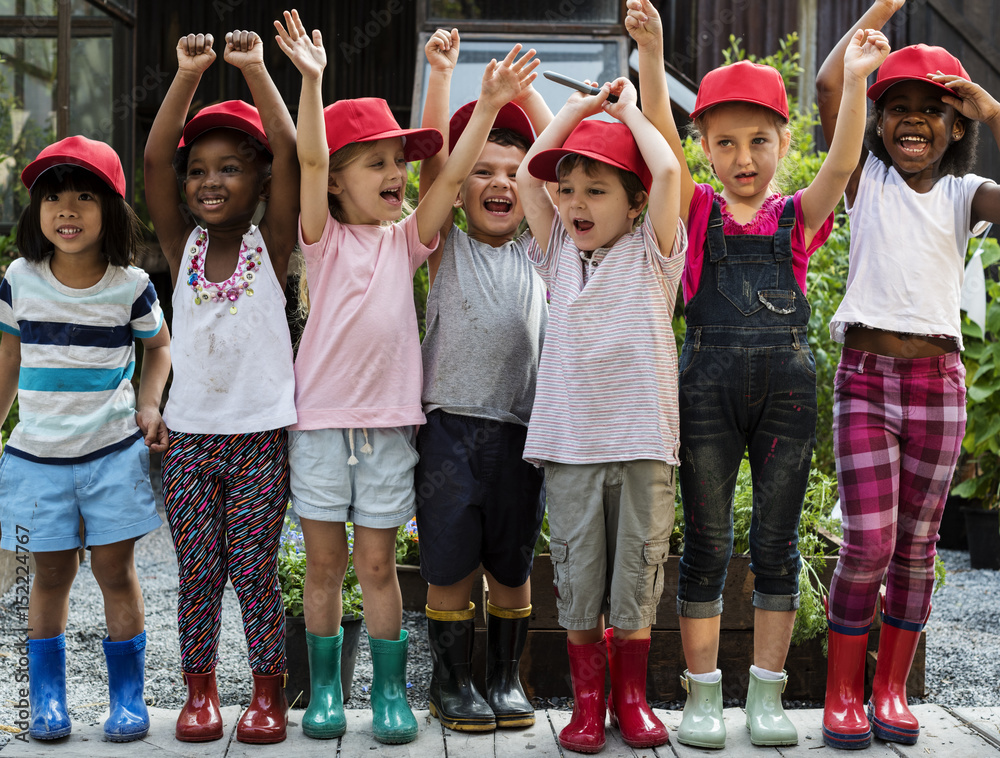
[
  {"x": 958, "y": 160},
  {"x": 250, "y": 148},
  {"x": 121, "y": 229},
  {"x": 509, "y": 138}
]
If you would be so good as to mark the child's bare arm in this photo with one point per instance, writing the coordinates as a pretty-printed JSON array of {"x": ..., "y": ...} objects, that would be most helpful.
[
  {"x": 830, "y": 78},
  {"x": 664, "y": 190},
  {"x": 245, "y": 50},
  {"x": 975, "y": 103},
  {"x": 501, "y": 82},
  {"x": 644, "y": 25},
  {"x": 865, "y": 53},
  {"x": 155, "y": 370},
  {"x": 538, "y": 207},
  {"x": 169, "y": 215},
  {"x": 309, "y": 58},
  {"x": 10, "y": 370}
]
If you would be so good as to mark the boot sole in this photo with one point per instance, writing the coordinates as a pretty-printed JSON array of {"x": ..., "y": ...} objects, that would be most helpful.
[
  {"x": 889, "y": 733},
  {"x": 401, "y": 739},
  {"x": 47, "y": 736},
  {"x": 465, "y": 725},
  {"x": 321, "y": 734},
  {"x": 200, "y": 738},
  {"x": 125, "y": 737},
  {"x": 846, "y": 741},
  {"x": 582, "y": 748},
  {"x": 704, "y": 745},
  {"x": 515, "y": 721}
]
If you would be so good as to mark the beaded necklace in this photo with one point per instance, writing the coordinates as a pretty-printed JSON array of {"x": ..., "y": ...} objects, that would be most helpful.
[{"x": 229, "y": 290}]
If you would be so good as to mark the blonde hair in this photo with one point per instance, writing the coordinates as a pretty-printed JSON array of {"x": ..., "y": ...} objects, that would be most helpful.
[
  {"x": 699, "y": 128},
  {"x": 339, "y": 160}
]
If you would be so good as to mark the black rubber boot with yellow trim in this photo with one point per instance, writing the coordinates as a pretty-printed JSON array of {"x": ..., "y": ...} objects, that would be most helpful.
[
  {"x": 506, "y": 632},
  {"x": 454, "y": 699}
]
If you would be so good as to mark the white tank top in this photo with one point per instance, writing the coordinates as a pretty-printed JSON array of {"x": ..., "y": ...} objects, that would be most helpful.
[{"x": 232, "y": 357}]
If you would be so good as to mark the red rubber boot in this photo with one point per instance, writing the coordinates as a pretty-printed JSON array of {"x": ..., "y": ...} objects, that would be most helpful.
[
  {"x": 627, "y": 704},
  {"x": 888, "y": 711},
  {"x": 200, "y": 720},
  {"x": 266, "y": 719},
  {"x": 845, "y": 724},
  {"x": 585, "y": 731}
]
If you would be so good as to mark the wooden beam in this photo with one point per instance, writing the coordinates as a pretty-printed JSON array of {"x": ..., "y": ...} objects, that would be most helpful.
[{"x": 969, "y": 32}]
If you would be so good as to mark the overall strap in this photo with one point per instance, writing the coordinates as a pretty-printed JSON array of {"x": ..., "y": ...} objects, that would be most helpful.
[
  {"x": 714, "y": 235},
  {"x": 783, "y": 237}
]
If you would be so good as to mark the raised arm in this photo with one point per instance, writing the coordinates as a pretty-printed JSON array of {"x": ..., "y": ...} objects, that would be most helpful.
[
  {"x": 644, "y": 26},
  {"x": 538, "y": 207},
  {"x": 830, "y": 78},
  {"x": 865, "y": 53},
  {"x": 664, "y": 190},
  {"x": 309, "y": 58},
  {"x": 245, "y": 50},
  {"x": 170, "y": 217},
  {"x": 501, "y": 83}
]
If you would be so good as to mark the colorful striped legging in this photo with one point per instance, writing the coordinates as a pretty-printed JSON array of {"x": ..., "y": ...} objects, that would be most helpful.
[
  {"x": 898, "y": 426},
  {"x": 225, "y": 497}
]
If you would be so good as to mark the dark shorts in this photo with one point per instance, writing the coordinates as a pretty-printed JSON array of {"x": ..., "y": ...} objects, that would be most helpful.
[{"x": 478, "y": 501}]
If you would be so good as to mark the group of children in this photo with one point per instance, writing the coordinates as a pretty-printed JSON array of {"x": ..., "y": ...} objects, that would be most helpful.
[{"x": 366, "y": 424}]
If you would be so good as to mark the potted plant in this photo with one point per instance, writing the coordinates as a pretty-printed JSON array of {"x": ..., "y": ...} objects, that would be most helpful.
[
  {"x": 291, "y": 578},
  {"x": 981, "y": 445},
  {"x": 412, "y": 586}
]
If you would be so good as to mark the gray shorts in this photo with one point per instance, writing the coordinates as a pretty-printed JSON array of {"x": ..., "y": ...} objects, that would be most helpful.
[
  {"x": 376, "y": 492},
  {"x": 610, "y": 525}
]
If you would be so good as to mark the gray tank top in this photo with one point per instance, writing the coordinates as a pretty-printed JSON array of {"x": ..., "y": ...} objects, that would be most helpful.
[{"x": 486, "y": 318}]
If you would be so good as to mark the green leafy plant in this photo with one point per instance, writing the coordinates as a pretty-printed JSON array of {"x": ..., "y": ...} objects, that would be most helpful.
[
  {"x": 981, "y": 444},
  {"x": 292, "y": 572},
  {"x": 408, "y": 544}
]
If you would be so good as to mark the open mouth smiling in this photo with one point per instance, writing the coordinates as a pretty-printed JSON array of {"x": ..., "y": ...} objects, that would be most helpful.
[{"x": 498, "y": 205}]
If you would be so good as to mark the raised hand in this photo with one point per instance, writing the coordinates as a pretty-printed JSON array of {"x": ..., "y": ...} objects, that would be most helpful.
[
  {"x": 627, "y": 96},
  {"x": 643, "y": 23},
  {"x": 243, "y": 48},
  {"x": 971, "y": 100},
  {"x": 442, "y": 50},
  {"x": 195, "y": 53},
  {"x": 504, "y": 81},
  {"x": 306, "y": 53},
  {"x": 865, "y": 52}
]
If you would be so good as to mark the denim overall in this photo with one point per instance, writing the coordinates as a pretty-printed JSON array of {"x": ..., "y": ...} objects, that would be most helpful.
[{"x": 747, "y": 380}]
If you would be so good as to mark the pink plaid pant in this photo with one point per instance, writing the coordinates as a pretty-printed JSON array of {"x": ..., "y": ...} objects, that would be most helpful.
[{"x": 898, "y": 427}]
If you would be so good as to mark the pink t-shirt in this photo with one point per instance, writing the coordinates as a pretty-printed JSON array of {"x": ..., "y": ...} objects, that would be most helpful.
[
  {"x": 359, "y": 361},
  {"x": 765, "y": 222}
]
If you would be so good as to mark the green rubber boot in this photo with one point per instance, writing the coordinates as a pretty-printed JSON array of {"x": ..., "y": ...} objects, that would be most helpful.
[
  {"x": 766, "y": 718},
  {"x": 324, "y": 719},
  {"x": 393, "y": 722},
  {"x": 702, "y": 724}
]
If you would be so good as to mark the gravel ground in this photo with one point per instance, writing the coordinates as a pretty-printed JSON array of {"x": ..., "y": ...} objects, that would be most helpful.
[{"x": 963, "y": 651}]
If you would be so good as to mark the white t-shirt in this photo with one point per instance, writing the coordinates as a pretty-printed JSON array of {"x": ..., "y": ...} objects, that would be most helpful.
[{"x": 907, "y": 258}]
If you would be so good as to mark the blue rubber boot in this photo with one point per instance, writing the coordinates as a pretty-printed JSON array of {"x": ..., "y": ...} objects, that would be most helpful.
[
  {"x": 129, "y": 719},
  {"x": 393, "y": 722},
  {"x": 47, "y": 688}
]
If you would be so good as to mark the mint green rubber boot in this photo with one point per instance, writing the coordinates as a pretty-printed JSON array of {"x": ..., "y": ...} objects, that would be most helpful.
[
  {"x": 324, "y": 719},
  {"x": 766, "y": 718},
  {"x": 393, "y": 722},
  {"x": 702, "y": 724}
]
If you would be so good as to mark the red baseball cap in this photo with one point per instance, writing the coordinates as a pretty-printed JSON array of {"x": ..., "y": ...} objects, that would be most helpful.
[
  {"x": 510, "y": 117},
  {"x": 607, "y": 142},
  {"x": 231, "y": 114},
  {"x": 914, "y": 62},
  {"x": 97, "y": 157},
  {"x": 368, "y": 119},
  {"x": 742, "y": 82}
]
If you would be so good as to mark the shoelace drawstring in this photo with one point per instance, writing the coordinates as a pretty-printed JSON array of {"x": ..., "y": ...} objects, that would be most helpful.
[{"x": 367, "y": 448}]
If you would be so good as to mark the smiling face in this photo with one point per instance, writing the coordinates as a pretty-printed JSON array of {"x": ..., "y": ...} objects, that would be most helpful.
[
  {"x": 918, "y": 127},
  {"x": 744, "y": 143},
  {"x": 489, "y": 195},
  {"x": 594, "y": 206},
  {"x": 369, "y": 189},
  {"x": 223, "y": 178},
  {"x": 72, "y": 220}
]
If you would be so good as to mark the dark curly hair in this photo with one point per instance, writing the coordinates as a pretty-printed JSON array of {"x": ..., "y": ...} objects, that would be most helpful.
[
  {"x": 250, "y": 149},
  {"x": 121, "y": 229},
  {"x": 958, "y": 160}
]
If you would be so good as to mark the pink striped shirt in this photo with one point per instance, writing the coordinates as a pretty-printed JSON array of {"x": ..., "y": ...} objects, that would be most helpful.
[{"x": 607, "y": 381}]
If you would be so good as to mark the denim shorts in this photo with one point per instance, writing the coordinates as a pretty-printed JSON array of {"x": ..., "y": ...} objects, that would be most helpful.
[
  {"x": 478, "y": 501},
  {"x": 376, "y": 491},
  {"x": 610, "y": 526},
  {"x": 46, "y": 501}
]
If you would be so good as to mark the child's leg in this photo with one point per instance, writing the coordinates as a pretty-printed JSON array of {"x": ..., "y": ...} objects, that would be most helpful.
[
  {"x": 192, "y": 496},
  {"x": 48, "y": 605},
  {"x": 375, "y": 564},
  {"x": 326, "y": 566},
  {"x": 114, "y": 570}
]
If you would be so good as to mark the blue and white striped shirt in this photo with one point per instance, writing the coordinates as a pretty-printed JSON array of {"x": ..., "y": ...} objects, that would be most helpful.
[{"x": 76, "y": 401}]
